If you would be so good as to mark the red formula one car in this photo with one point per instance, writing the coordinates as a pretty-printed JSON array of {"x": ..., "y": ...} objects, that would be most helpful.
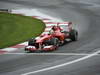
[{"x": 56, "y": 36}]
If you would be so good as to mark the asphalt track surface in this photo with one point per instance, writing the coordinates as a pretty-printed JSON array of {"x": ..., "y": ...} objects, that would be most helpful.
[{"x": 84, "y": 14}]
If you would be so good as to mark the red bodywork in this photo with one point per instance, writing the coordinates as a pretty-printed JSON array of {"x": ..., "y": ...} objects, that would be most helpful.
[{"x": 59, "y": 35}]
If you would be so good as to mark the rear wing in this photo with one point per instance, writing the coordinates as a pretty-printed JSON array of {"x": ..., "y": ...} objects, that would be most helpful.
[
  {"x": 65, "y": 24},
  {"x": 58, "y": 23}
]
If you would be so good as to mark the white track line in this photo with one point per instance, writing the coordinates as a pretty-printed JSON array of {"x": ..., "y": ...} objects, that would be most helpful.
[
  {"x": 57, "y": 54},
  {"x": 63, "y": 64}
]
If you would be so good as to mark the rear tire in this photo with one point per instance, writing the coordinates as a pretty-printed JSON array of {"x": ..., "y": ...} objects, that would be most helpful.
[{"x": 73, "y": 35}]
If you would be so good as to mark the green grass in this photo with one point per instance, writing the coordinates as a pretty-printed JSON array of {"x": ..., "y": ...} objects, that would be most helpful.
[{"x": 15, "y": 29}]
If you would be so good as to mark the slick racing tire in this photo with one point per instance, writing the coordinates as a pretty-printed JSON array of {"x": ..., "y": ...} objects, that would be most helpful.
[
  {"x": 55, "y": 41},
  {"x": 31, "y": 42},
  {"x": 73, "y": 35}
]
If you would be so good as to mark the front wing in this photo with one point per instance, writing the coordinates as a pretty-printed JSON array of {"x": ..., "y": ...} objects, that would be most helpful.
[{"x": 45, "y": 48}]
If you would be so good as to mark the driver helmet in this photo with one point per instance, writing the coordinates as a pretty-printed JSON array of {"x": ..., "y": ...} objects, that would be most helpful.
[{"x": 54, "y": 27}]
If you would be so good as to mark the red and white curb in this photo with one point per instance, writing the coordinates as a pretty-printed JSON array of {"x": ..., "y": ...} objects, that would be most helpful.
[{"x": 48, "y": 22}]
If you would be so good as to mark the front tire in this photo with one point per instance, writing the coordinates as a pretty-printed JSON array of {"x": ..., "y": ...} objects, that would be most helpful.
[
  {"x": 31, "y": 42},
  {"x": 55, "y": 41}
]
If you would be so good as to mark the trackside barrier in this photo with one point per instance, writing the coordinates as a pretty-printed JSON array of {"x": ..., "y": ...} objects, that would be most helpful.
[{"x": 5, "y": 10}]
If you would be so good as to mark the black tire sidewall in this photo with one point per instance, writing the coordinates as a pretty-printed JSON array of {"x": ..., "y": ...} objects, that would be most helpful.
[{"x": 74, "y": 35}]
